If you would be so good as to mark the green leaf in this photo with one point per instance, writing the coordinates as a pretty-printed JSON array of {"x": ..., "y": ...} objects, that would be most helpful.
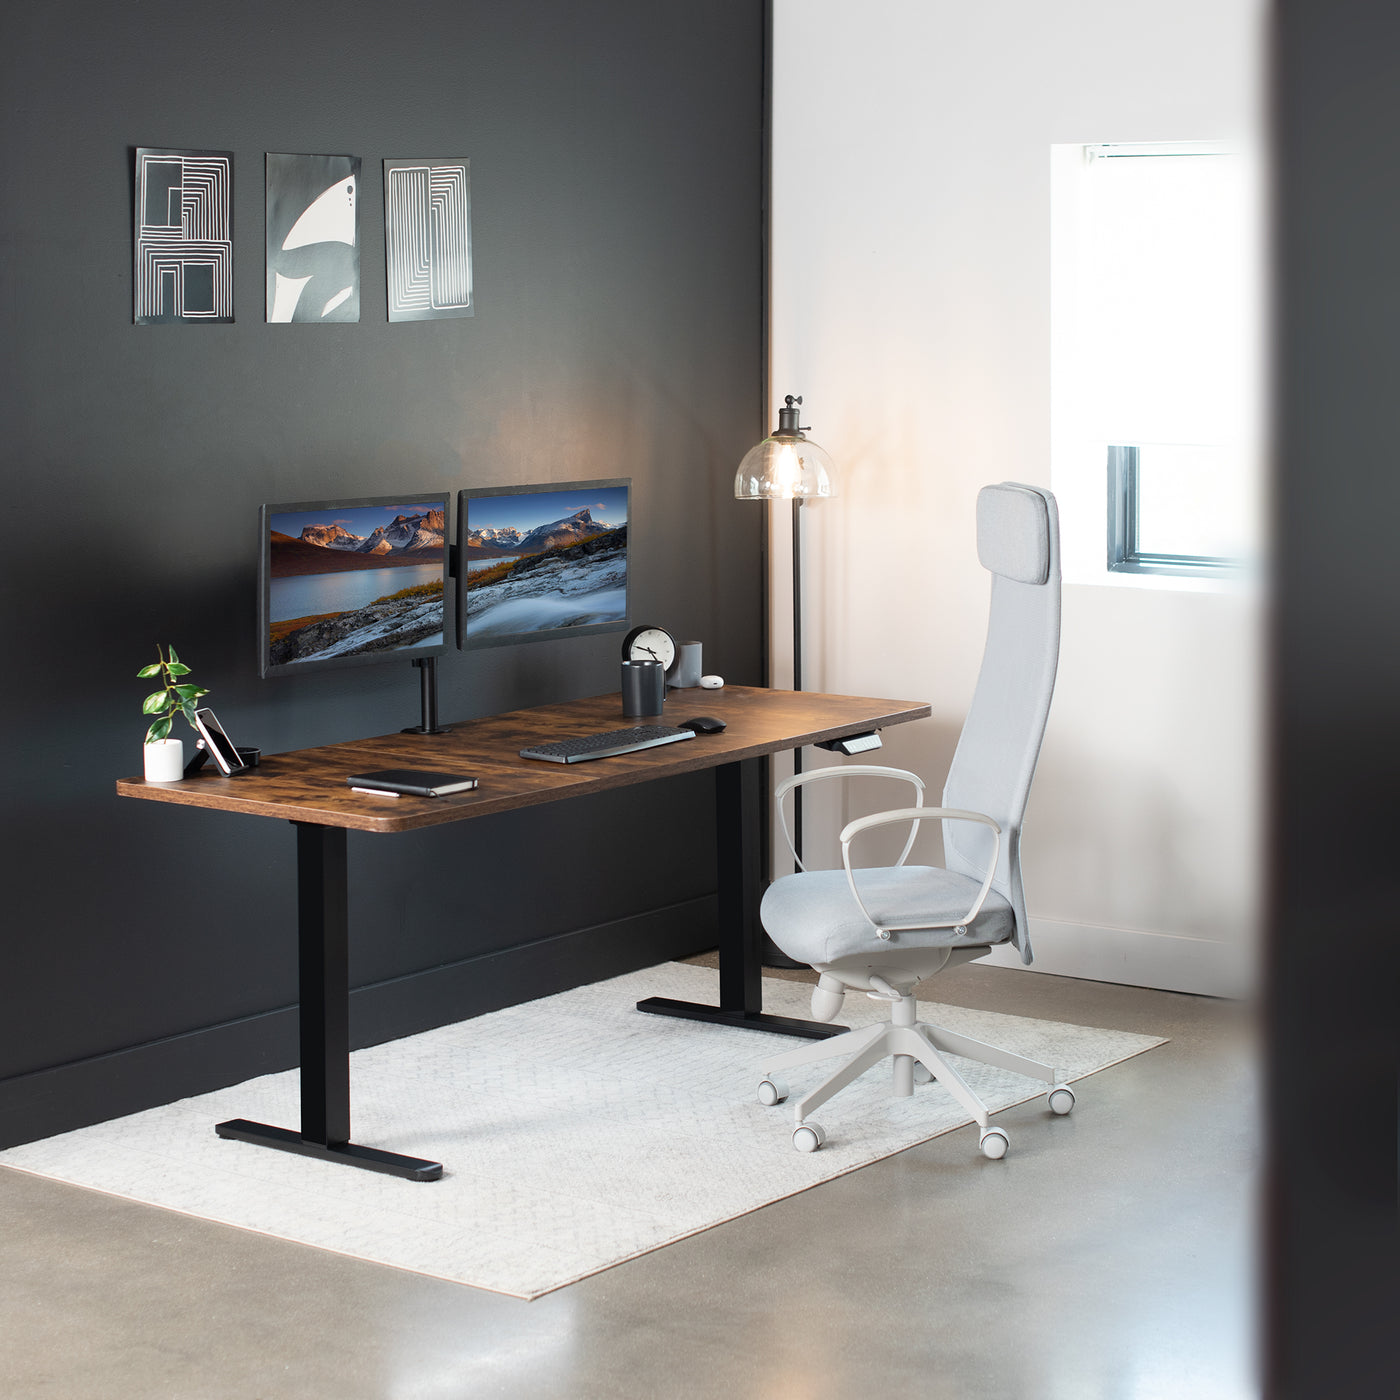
[
  {"x": 152, "y": 670},
  {"x": 158, "y": 730},
  {"x": 154, "y": 703},
  {"x": 171, "y": 657},
  {"x": 187, "y": 692},
  {"x": 187, "y": 709},
  {"x": 178, "y": 668}
]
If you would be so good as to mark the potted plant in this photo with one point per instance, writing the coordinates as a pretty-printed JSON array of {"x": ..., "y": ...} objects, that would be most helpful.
[{"x": 165, "y": 757}]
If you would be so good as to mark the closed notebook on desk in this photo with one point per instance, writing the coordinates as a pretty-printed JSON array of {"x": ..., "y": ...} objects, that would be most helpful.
[{"x": 412, "y": 782}]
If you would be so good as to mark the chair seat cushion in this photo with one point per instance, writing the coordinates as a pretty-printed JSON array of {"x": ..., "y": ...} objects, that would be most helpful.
[{"x": 812, "y": 917}]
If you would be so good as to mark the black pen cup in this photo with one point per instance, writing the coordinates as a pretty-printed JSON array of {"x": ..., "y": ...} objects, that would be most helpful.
[{"x": 643, "y": 689}]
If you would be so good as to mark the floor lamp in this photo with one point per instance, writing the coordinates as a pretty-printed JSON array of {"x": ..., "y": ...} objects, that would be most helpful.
[{"x": 788, "y": 466}]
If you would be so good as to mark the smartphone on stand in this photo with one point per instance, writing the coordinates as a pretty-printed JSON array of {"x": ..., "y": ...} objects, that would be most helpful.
[{"x": 218, "y": 743}]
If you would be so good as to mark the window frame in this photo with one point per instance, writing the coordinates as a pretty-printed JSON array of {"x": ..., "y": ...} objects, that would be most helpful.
[{"x": 1125, "y": 556}]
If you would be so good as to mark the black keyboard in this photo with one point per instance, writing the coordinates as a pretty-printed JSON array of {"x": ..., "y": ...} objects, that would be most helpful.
[{"x": 614, "y": 741}]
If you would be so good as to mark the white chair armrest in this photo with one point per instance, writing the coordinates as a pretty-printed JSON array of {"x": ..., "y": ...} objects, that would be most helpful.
[
  {"x": 852, "y": 770},
  {"x": 915, "y": 814}
]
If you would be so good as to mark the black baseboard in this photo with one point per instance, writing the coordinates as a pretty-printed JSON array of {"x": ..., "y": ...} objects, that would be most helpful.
[{"x": 57, "y": 1100}]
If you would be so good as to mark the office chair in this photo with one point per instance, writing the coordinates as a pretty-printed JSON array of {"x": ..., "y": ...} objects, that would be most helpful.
[{"x": 883, "y": 930}]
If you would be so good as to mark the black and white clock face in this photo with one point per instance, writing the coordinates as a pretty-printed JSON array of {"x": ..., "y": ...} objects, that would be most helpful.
[{"x": 648, "y": 643}]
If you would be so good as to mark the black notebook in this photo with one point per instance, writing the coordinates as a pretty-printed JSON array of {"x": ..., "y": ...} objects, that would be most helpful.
[{"x": 413, "y": 782}]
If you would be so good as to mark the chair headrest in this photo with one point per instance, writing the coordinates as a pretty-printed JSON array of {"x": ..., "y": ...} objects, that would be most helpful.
[{"x": 1013, "y": 532}]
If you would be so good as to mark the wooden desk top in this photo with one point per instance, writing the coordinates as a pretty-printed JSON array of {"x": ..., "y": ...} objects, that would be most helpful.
[{"x": 308, "y": 785}]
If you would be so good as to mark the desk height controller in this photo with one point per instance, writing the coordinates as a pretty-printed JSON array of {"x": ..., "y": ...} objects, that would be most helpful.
[{"x": 853, "y": 743}]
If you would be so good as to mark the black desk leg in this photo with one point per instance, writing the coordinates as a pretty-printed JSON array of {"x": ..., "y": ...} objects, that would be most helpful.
[
  {"x": 737, "y": 814},
  {"x": 322, "y": 936}
]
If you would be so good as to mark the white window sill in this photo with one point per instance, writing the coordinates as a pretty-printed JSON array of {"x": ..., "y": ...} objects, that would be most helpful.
[{"x": 1245, "y": 584}]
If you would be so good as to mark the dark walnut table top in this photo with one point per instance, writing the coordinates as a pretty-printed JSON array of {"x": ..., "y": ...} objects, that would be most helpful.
[{"x": 308, "y": 785}]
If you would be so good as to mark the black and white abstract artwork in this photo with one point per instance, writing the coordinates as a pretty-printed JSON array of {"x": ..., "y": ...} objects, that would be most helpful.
[
  {"x": 313, "y": 244},
  {"x": 184, "y": 236},
  {"x": 427, "y": 238}
]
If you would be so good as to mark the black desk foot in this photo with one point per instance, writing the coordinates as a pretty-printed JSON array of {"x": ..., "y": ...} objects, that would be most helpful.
[
  {"x": 746, "y": 1020},
  {"x": 352, "y": 1154}
]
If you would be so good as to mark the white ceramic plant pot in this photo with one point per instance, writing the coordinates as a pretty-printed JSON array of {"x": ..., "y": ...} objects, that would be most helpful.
[{"x": 165, "y": 761}]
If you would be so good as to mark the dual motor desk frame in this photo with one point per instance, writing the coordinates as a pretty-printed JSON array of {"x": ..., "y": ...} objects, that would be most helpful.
[{"x": 307, "y": 787}]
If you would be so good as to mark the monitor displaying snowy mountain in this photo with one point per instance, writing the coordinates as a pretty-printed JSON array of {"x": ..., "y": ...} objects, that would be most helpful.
[
  {"x": 541, "y": 561},
  {"x": 352, "y": 581}
]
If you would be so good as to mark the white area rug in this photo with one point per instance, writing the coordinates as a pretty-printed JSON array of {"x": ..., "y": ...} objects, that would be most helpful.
[{"x": 575, "y": 1133}]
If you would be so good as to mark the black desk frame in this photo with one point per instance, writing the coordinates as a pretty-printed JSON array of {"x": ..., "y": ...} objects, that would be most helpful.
[
  {"x": 737, "y": 787},
  {"x": 323, "y": 923},
  {"x": 323, "y": 928}
]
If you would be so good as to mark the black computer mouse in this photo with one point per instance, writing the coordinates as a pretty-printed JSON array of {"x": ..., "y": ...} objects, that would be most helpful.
[{"x": 703, "y": 724}]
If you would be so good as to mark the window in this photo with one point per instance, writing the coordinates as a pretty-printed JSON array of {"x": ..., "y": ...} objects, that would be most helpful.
[
  {"x": 1154, "y": 349},
  {"x": 1173, "y": 507}
]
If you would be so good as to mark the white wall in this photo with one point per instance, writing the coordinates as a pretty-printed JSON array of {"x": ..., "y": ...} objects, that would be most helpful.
[{"x": 911, "y": 308}]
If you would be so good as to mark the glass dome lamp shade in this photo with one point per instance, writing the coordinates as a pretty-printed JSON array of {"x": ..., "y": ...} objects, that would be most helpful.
[
  {"x": 786, "y": 465},
  {"x": 784, "y": 469}
]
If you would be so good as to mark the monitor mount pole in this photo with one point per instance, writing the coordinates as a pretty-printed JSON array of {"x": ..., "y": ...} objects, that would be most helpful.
[{"x": 427, "y": 674}]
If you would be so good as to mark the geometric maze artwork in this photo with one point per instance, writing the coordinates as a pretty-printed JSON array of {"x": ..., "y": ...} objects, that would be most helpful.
[
  {"x": 184, "y": 236},
  {"x": 427, "y": 238},
  {"x": 313, "y": 245}
]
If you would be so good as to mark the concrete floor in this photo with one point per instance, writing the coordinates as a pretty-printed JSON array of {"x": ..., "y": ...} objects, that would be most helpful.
[{"x": 1109, "y": 1255}]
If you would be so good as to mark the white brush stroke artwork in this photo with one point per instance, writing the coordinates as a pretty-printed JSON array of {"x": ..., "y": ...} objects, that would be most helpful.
[
  {"x": 284, "y": 301},
  {"x": 312, "y": 244},
  {"x": 427, "y": 239},
  {"x": 335, "y": 301},
  {"x": 331, "y": 219}
]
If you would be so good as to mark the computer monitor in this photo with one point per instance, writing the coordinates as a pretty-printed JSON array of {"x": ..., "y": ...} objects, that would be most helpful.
[
  {"x": 539, "y": 562},
  {"x": 349, "y": 582}
]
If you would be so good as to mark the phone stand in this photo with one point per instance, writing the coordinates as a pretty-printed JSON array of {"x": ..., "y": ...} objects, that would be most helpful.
[{"x": 251, "y": 758}]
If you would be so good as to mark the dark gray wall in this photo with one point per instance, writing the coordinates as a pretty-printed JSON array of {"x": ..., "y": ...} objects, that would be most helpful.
[
  {"x": 615, "y": 155},
  {"x": 1331, "y": 1273}
]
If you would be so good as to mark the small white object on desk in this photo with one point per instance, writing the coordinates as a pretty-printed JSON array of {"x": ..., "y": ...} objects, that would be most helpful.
[
  {"x": 711, "y": 682},
  {"x": 375, "y": 792},
  {"x": 165, "y": 761},
  {"x": 686, "y": 672}
]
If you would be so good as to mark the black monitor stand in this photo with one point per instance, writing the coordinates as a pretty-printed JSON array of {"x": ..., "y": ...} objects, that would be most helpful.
[{"x": 427, "y": 674}]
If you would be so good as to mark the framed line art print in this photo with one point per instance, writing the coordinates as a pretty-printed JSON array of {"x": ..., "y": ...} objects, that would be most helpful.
[{"x": 427, "y": 239}]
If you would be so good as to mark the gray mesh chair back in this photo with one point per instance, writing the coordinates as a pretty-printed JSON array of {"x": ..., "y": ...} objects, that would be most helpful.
[{"x": 1018, "y": 541}]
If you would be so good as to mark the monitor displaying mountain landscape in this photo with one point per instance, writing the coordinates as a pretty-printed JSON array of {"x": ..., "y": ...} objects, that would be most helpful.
[
  {"x": 541, "y": 561},
  {"x": 346, "y": 582}
]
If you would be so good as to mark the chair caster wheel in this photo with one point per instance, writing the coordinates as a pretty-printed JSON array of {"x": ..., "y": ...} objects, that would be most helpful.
[
  {"x": 807, "y": 1137},
  {"x": 1061, "y": 1098},
  {"x": 922, "y": 1075},
  {"x": 993, "y": 1143},
  {"x": 772, "y": 1091}
]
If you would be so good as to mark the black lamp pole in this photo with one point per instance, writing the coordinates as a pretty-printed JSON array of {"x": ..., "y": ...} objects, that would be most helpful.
[
  {"x": 788, "y": 427},
  {"x": 797, "y": 504},
  {"x": 786, "y": 465}
]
